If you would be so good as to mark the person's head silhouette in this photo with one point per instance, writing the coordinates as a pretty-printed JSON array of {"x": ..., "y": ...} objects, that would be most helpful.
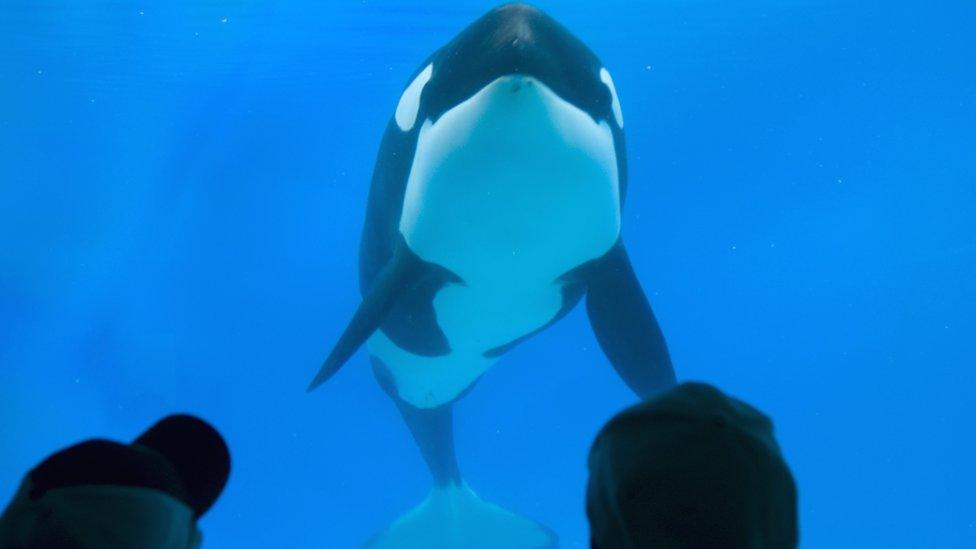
[
  {"x": 100, "y": 493},
  {"x": 692, "y": 468}
]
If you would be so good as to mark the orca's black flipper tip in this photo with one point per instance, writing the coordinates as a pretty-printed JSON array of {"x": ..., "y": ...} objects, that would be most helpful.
[
  {"x": 397, "y": 276},
  {"x": 325, "y": 373},
  {"x": 625, "y": 326},
  {"x": 318, "y": 380}
]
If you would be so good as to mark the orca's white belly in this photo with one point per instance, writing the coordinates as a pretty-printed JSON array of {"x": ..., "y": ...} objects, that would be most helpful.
[
  {"x": 510, "y": 190},
  {"x": 474, "y": 320}
]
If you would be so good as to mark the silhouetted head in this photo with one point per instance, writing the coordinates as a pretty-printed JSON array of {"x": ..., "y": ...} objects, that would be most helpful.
[
  {"x": 101, "y": 493},
  {"x": 693, "y": 468},
  {"x": 180, "y": 455}
]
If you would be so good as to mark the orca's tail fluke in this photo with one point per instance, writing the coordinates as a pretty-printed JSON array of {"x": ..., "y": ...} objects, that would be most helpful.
[{"x": 453, "y": 516}]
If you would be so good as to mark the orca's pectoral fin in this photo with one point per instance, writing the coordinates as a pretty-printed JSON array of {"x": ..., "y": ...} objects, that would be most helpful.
[
  {"x": 398, "y": 276},
  {"x": 624, "y": 324}
]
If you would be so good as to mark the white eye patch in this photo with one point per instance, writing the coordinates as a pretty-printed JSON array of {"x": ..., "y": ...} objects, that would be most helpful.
[
  {"x": 618, "y": 114},
  {"x": 409, "y": 105}
]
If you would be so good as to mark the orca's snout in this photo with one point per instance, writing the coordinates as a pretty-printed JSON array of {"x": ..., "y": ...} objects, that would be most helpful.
[{"x": 513, "y": 40}]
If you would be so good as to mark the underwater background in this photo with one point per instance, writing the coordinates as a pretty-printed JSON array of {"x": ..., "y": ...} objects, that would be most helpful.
[{"x": 182, "y": 186}]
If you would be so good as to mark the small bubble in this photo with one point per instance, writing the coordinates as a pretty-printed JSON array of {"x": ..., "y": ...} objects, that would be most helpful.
[
  {"x": 647, "y": 67},
  {"x": 223, "y": 20},
  {"x": 142, "y": 12}
]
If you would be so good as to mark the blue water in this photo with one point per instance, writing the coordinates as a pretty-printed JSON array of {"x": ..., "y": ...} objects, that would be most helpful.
[{"x": 182, "y": 186}]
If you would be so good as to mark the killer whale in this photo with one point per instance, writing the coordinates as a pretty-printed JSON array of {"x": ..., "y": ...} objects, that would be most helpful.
[{"x": 493, "y": 210}]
